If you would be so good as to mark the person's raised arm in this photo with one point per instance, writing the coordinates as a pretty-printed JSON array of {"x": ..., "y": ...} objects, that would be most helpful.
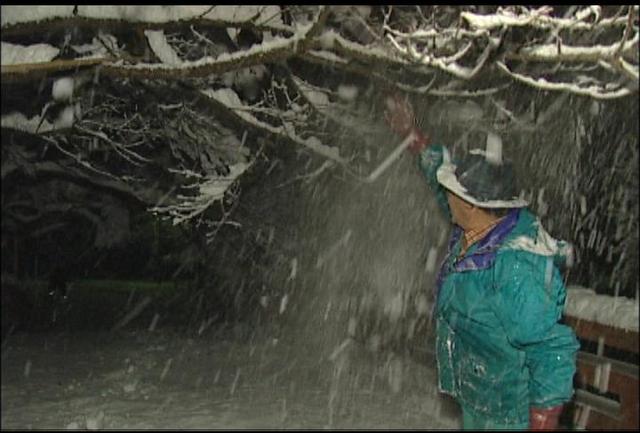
[{"x": 401, "y": 119}]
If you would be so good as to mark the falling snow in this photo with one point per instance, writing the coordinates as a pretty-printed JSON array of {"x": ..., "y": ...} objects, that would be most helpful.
[
  {"x": 63, "y": 89},
  {"x": 377, "y": 245},
  {"x": 142, "y": 380}
]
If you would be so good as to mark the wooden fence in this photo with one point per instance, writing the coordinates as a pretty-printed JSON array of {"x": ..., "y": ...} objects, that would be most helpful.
[{"x": 607, "y": 379}]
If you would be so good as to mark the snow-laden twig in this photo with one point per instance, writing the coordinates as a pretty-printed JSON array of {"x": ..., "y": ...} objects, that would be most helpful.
[
  {"x": 594, "y": 91},
  {"x": 355, "y": 50},
  {"x": 78, "y": 158},
  {"x": 468, "y": 93},
  {"x": 226, "y": 213},
  {"x": 427, "y": 89},
  {"x": 426, "y": 59},
  {"x": 430, "y": 34},
  {"x": 446, "y": 64},
  {"x": 623, "y": 67},
  {"x": 318, "y": 98},
  {"x": 210, "y": 189},
  {"x": 539, "y": 18},
  {"x": 592, "y": 53},
  {"x": 18, "y": 18},
  {"x": 277, "y": 49},
  {"x": 325, "y": 57},
  {"x": 432, "y": 47},
  {"x": 522, "y": 124},
  {"x": 121, "y": 149},
  {"x": 34, "y": 69},
  {"x": 333, "y": 60},
  {"x": 229, "y": 99}
]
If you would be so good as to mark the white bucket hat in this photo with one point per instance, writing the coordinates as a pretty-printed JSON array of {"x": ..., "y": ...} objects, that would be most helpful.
[{"x": 482, "y": 178}]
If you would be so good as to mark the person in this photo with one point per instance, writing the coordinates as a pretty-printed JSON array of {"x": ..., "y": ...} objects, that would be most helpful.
[{"x": 501, "y": 352}]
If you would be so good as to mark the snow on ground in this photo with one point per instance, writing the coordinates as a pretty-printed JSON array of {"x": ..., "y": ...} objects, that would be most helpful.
[
  {"x": 141, "y": 380},
  {"x": 231, "y": 379}
]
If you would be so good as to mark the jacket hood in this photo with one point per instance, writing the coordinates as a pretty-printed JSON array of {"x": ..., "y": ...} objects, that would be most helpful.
[{"x": 535, "y": 239}]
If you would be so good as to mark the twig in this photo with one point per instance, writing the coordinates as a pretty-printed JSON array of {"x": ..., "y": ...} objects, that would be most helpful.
[{"x": 597, "y": 92}]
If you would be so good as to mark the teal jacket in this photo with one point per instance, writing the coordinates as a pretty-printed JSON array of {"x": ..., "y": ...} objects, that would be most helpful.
[{"x": 499, "y": 346}]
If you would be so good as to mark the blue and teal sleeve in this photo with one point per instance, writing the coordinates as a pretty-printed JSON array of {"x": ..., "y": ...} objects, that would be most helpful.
[{"x": 429, "y": 161}]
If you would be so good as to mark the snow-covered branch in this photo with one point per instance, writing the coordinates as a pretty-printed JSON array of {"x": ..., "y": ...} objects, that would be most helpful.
[
  {"x": 262, "y": 17},
  {"x": 230, "y": 100},
  {"x": 567, "y": 53},
  {"x": 437, "y": 37},
  {"x": 15, "y": 54},
  {"x": 277, "y": 49},
  {"x": 593, "y": 91},
  {"x": 540, "y": 18},
  {"x": 446, "y": 64},
  {"x": 130, "y": 156},
  {"x": 333, "y": 41},
  {"x": 487, "y": 43},
  {"x": 625, "y": 68},
  {"x": 210, "y": 189},
  {"x": 273, "y": 51},
  {"x": 80, "y": 160},
  {"x": 27, "y": 70}
]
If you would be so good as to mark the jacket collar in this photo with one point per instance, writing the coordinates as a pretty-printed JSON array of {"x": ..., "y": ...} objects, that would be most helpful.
[{"x": 484, "y": 255}]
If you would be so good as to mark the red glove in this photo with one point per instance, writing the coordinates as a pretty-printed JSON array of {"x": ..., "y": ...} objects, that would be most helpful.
[
  {"x": 400, "y": 118},
  {"x": 544, "y": 419}
]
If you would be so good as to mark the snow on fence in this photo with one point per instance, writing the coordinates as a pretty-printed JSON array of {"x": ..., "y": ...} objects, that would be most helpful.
[
  {"x": 618, "y": 311},
  {"x": 607, "y": 380}
]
